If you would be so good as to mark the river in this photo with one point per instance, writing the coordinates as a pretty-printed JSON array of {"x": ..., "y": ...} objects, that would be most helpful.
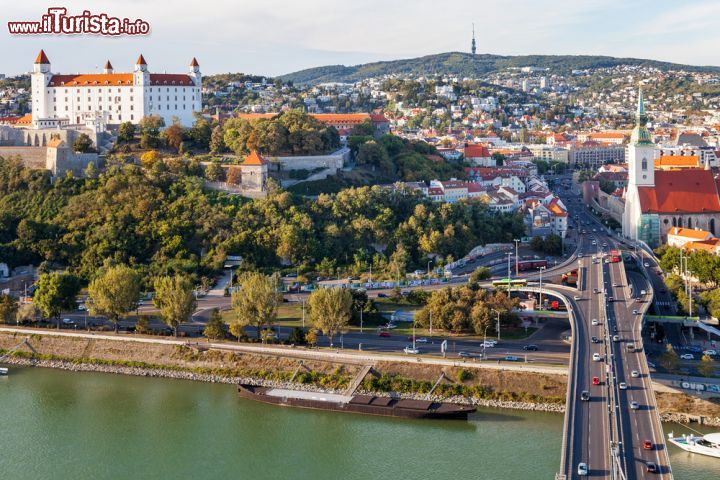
[{"x": 62, "y": 425}]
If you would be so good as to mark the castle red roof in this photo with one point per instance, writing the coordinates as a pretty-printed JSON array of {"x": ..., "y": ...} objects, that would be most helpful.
[
  {"x": 141, "y": 60},
  {"x": 681, "y": 191},
  {"x": 42, "y": 58},
  {"x": 254, "y": 158},
  {"x": 194, "y": 63}
]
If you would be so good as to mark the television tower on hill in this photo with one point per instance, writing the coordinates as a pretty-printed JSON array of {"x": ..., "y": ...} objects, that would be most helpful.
[{"x": 472, "y": 45}]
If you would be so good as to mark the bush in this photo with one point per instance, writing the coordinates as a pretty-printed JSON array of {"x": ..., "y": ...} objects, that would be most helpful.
[{"x": 463, "y": 375}]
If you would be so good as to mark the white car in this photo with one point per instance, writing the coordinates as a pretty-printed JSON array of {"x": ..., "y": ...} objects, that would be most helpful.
[
  {"x": 582, "y": 469},
  {"x": 68, "y": 321},
  {"x": 687, "y": 356},
  {"x": 635, "y": 374},
  {"x": 421, "y": 340},
  {"x": 634, "y": 405},
  {"x": 595, "y": 322},
  {"x": 488, "y": 344},
  {"x": 410, "y": 350},
  {"x": 646, "y": 264},
  {"x": 596, "y": 357},
  {"x": 712, "y": 353},
  {"x": 576, "y": 297},
  {"x": 622, "y": 386}
]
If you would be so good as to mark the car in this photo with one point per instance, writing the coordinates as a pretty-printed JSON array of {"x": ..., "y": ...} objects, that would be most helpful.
[
  {"x": 595, "y": 290},
  {"x": 585, "y": 396},
  {"x": 382, "y": 295},
  {"x": 488, "y": 344},
  {"x": 511, "y": 358},
  {"x": 634, "y": 374},
  {"x": 82, "y": 307},
  {"x": 596, "y": 357},
  {"x": 622, "y": 386},
  {"x": 616, "y": 338},
  {"x": 531, "y": 348},
  {"x": 596, "y": 381},
  {"x": 410, "y": 350},
  {"x": 611, "y": 299},
  {"x": 464, "y": 354},
  {"x": 693, "y": 349},
  {"x": 576, "y": 297},
  {"x": 651, "y": 467},
  {"x": 643, "y": 292},
  {"x": 595, "y": 321},
  {"x": 580, "y": 255},
  {"x": 687, "y": 356},
  {"x": 616, "y": 285},
  {"x": 651, "y": 364},
  {"x": 635, "y": 312},
  {"x": 710, "y": 352},
  {"x": 582, "y": 469},
  {"x": 68, "y": 321},
  {"x": 646, "y": 265},
  {"x": 647, "y": 445},
  {"x": 421, "y": 340},
  {"x": 594, "y": 339},
  {"x": 594, "y": 242},
  {"x": 383, "y": 333},
  {"x": 634, "y": 405}
]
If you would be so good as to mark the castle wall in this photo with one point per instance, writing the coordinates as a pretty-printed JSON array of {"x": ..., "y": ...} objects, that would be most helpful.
[{"x": 32, "y": 157}]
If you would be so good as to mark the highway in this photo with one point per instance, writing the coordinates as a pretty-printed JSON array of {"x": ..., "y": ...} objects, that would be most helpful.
[{"x": 607, "y": 423}]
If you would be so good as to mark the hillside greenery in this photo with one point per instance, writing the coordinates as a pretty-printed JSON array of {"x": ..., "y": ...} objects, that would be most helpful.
[
  {"x": 467, "y": 65},
  {"x": 162, "y": 221}
]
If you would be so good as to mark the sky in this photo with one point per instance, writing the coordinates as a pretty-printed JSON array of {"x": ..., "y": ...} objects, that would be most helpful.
[{"x": 273, "y": 37}]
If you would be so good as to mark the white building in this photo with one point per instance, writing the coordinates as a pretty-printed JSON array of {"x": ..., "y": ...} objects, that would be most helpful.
[{"x": 113, "y": 98}]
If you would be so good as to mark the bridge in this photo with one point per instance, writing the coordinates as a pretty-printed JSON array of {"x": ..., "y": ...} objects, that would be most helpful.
[{"x": 608, "y": 431}]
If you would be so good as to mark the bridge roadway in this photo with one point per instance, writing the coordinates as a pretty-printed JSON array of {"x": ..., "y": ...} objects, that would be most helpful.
[{"x": 606, "y": 423}]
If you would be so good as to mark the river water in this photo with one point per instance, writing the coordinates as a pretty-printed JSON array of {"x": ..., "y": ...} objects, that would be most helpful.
[{"x": 63, "y": 425}]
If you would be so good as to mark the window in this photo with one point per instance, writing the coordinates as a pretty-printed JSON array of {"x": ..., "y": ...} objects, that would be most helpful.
[{"x": 644, "y": 164}]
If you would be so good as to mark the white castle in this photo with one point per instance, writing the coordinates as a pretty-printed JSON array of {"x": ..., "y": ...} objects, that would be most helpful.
[{"x": 110, "y": 98}]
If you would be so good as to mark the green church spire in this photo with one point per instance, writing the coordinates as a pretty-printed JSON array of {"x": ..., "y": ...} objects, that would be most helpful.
[{"x": 640, "y": 134}]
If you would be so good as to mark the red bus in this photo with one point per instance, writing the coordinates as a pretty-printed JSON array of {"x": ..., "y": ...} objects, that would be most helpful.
[{"x": 524, "y": 265}]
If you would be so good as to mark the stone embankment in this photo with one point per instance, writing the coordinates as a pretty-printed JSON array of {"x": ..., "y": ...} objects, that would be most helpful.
[{"x": 685, "y": 418}]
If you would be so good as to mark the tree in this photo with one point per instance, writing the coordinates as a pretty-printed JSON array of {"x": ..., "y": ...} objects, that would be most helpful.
[
  {"x": 56, "y": 292},
  {"x": 26, "y": 313},
  {"x": 175, "y": 298},
  {"x": 142, "y": 325},
  {"x": 706, "y": 366},
  {"x": 150, "y": 158},
  {"x": 114, "y": 293},
  {"x": 330, "y": 310},
  {"x": 311, "y": 338},
  {"x": 234, "y": 175},
  {"x": 217, "y": 142},
  {"x": 91, "y": 170},
  {"x": 215, "y": 328},
  {"x": 256, "y": 302},
  {"x": 670, "y": 360},
  {"x": 479, "y": 274},
  {"x": 215, "y": 172},
  {"x": 8, "y": 308},
  {"x": 126, "y": 132},
  {"x": 174, "y": 135},
  {"x": 82, "y": 144}
]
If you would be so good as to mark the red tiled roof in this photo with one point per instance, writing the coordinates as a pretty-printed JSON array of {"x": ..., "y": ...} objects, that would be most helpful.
[
  {"x": 170, "y": 79},
  {"x": 93, "y": 79},
  {"x": 254, "y": 159},
  {"x": 435, "y": 191},
  {"x": 681, "y": 191},
  {"x": 42, "y": 58},
  {"x": 476, "y": 151}
]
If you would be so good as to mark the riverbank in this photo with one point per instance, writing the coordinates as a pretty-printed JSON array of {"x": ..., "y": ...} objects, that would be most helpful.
[{"x": 494, "y": 388}]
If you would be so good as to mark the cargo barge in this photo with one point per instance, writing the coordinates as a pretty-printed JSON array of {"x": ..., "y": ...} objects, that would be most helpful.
[{"x": 367, "y": 404}]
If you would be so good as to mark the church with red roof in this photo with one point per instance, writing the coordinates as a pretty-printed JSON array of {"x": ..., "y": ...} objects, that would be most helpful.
[{"x": 656, "y": 200}]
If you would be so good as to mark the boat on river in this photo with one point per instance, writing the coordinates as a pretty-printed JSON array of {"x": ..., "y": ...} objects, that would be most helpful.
[
  {"x": 4, "y": 371},
  {"x": 705, "y": 445},
  {"x": 367, "y": 404}
]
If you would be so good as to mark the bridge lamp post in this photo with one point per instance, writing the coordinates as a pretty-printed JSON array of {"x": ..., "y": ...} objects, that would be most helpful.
[
  {"x": 485, "y": 342},
  {"x": 498, "y": 323},
  {"x": 517, "y": 257},
  {"x": 541, "y": 270}
]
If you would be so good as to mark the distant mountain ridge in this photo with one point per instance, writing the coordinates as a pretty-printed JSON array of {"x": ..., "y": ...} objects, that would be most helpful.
[{"x": 467, "y": 65}]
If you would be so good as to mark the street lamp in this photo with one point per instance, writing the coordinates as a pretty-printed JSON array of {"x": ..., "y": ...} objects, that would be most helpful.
[
  {"x": 498, "y": 322},
  {"x": 541, "y": 270},
  {"x": 517, "y": 257},
  {"x": 485, "y": 342}
]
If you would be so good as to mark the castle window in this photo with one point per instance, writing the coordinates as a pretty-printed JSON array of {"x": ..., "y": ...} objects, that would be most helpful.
[{"x": 644, "y": 164}]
